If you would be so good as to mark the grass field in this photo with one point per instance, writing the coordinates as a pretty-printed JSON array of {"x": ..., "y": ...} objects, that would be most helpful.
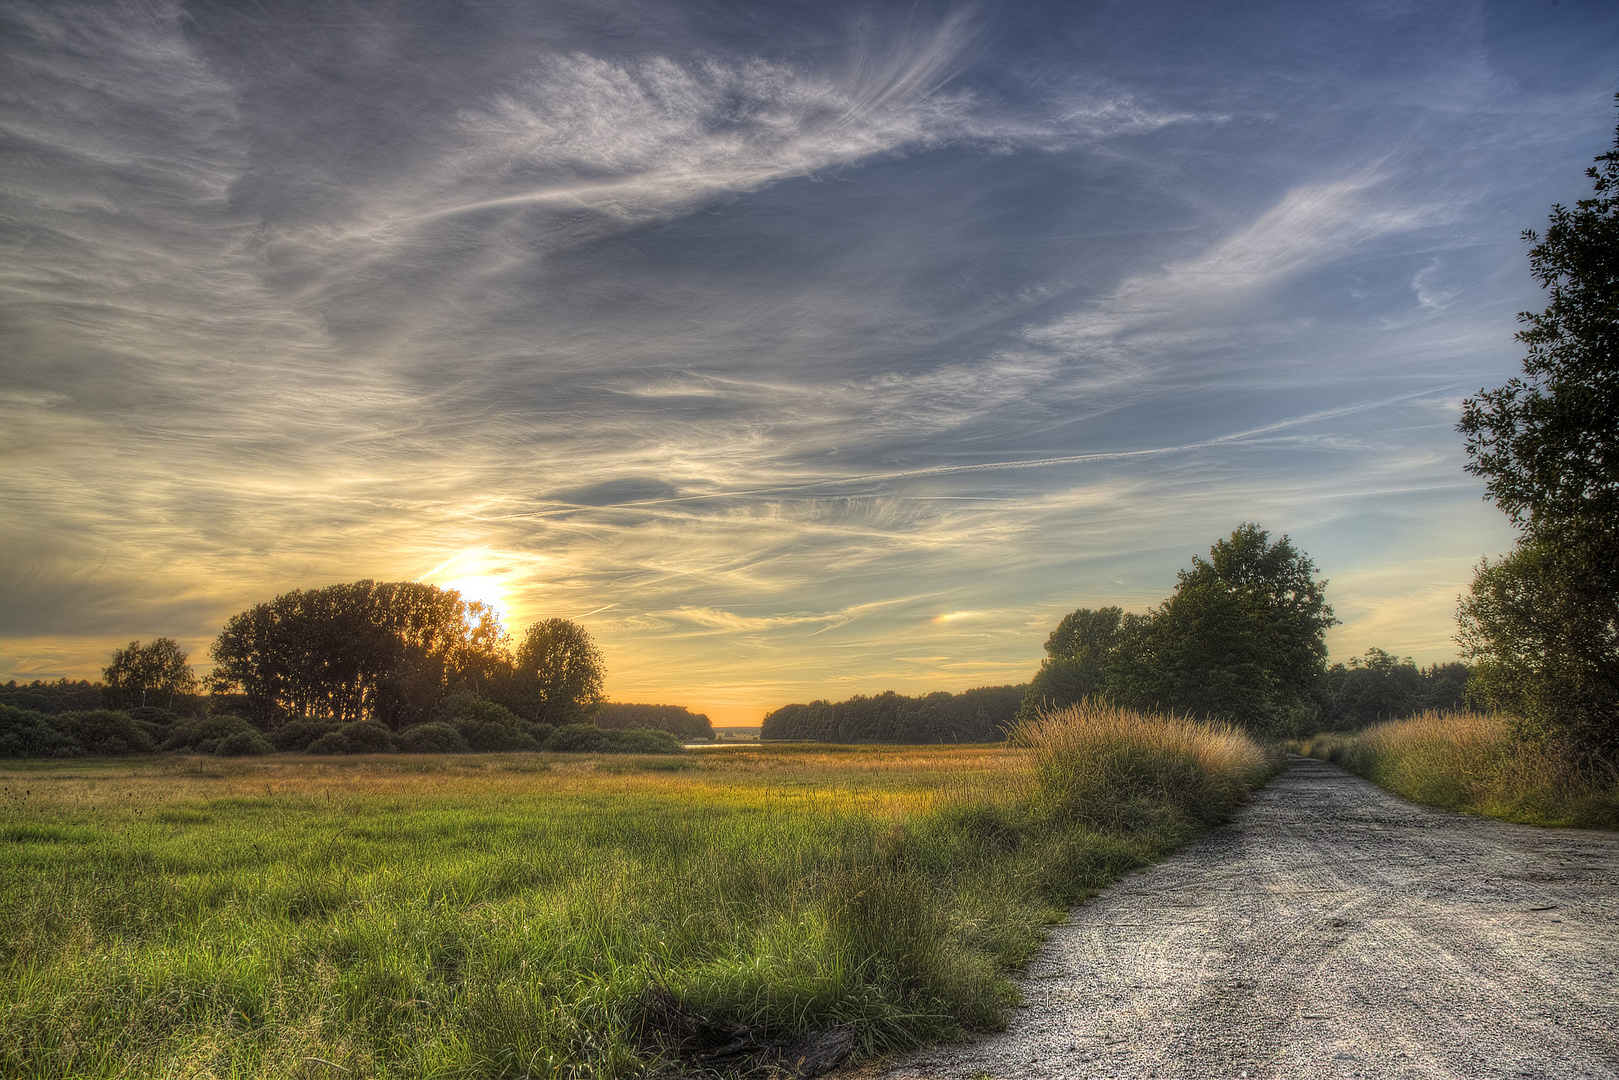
[
  {"x": 1469, "y": 762},
  {"x": 535, "y": 915}
]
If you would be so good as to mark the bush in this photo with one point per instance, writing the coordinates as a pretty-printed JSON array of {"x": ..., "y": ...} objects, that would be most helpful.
[
  {"x": 577, "y": 739},
  {"x": 244, "y": 744},
  {"x": 434, "y": 738},
  {"x": 25, "y": 733},
  {"x": 492, "y": 728},
  {"x": 642, "y": 741},
  {"x": 105, "y": 733},
  {"x": 540, "y": 732},
  {"x": 297, "y": 735},
  {"x": 203, "y": 734},
  {"x": 589, "y": 739},
  {"x": 359, "y": 737}
]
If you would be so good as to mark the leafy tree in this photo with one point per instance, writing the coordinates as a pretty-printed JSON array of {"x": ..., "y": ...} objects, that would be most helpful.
[
  {"x": 1545, "y": 638},
  {"x": 558, "y": 675},
  {"x": 143, "y": 675},
  {"x": 385, "y": 651},
  {"x": 1077, "y": 655},
  {"x": 1542, "y": 621},
  {"x": 1242, "y": 639}
]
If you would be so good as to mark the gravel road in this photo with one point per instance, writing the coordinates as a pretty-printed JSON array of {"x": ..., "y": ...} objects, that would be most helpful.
[{"x": 1331, "y": 930}]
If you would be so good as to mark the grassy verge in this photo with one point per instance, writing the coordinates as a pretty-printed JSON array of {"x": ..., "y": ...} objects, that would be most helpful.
[
  {"x": 1468, "y": 762},
  {"x": 530, "y": 915}
]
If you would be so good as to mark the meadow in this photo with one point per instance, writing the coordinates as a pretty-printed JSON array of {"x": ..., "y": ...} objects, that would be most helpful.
[
  {"x": 564, "y": 915},
  {"x": 1470, "y": 762}
]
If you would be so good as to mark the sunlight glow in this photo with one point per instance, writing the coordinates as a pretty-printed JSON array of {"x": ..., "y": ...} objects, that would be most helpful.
[{"x": 487, "y": 590}]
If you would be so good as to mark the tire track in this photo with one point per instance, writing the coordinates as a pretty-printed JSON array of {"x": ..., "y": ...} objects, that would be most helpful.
[{"x": 1332, "y": 930}]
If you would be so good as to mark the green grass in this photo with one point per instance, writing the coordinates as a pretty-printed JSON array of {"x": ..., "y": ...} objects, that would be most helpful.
[
  {"x": 1470, "y": 763},
  {"x": 505, "y": 915}
]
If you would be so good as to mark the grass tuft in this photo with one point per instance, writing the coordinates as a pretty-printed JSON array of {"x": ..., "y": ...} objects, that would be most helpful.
[{"x": 1471, "y": 763}]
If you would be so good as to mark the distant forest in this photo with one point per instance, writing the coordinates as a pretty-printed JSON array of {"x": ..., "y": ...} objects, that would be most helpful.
[{"x": 972, "y": 716}]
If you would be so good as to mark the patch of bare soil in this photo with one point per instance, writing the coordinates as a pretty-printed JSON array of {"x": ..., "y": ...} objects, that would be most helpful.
[{"x": 1332, "y": 930}]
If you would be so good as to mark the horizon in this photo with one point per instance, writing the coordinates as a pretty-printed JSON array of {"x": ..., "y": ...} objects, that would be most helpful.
[{"x": 795, "y": 355}]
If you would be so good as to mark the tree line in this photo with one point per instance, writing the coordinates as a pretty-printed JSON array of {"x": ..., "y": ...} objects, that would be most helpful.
[
  {"x": 362, "y": 667},
  {"x": 972, "y": 716}
]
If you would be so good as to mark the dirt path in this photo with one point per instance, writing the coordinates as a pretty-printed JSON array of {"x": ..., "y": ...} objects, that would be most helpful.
[{"x": 1332, "y": 930}]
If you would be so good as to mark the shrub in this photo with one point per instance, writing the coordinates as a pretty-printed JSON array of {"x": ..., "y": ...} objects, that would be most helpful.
[
  {"x": 577, "y": 739},
  {"x": 540, "y": 732},
  {"x": 105, "y": 733},
  {"x": 203, "y": 734},
  {"x": 359, "y": 737},
  {"x": 488, "y": 727},
  {"x": 244, "y": 744},
  {"x": 434, "y": 738},
  {"x": 642, "y": 741},
  {"x": 297, "y": 735},
  {"x": 25, "y": 733}
]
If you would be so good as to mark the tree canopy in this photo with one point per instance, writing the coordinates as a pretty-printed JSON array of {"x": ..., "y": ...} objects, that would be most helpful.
[
  {"x": 1543, "y": 622},
  {"x": 1243, "y": 639},
  {"x": 387, "y": 651},
  {"x": 144, "y": 675}
]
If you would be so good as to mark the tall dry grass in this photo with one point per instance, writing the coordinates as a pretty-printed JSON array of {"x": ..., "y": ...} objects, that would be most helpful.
[
  {"x": 1470, "y": 762},
  {"x": 1112, "y": 767}
]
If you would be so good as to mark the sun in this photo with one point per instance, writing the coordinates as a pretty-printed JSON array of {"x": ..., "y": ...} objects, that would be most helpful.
[{"x": 484, "y": 589}]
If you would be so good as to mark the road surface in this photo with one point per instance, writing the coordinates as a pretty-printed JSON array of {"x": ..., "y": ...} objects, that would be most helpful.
[{"x": 1332, "y": 930}]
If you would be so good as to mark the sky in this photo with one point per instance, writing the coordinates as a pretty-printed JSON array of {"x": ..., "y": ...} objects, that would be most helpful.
[{"x": 795, "y": 350}]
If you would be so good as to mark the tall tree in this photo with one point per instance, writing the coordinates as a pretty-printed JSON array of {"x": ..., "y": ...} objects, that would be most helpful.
[
  {"x": 1543, "y": 623},
  {"x": 151, "y": 674},
  {"x": 385, "y": 651},
  {"x": 1077, "y": 655},
  {"x": 559, "y": 674},
  {"x": 1242, "y": 639}
]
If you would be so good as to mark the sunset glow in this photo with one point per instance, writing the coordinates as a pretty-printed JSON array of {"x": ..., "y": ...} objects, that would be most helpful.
[{"x": 832, "y": 352}]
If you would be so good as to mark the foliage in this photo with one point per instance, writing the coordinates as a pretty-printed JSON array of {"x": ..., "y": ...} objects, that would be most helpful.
[
  {"x": 1544, "y": 621},
  {"x": 492, "y": 728},
  {"x": 1473, "y": 763},
  {"x": 557, "y": 675},
  {"x": 52, "y": 697},
  {"x": 1242, "y": 640},
  {"x": 979, "y": 715},
  {"x": 355, "y": 737},
  {"x": 251, "y": 919},
  {"x": 433, "y": 738},
  {"x": 204, "y": 734},
  {"x": 386, "y": 651},
  {"x": 675, "y": 719},
  {"x": 153, "y": 674},
  {"x": 105, "y": 733},
  {"x": 1545, "y": 637},
  {"x": 297, "y": 735},
  {"x": 1381, "y": 686},
  {"x": 589, "y": 739},
  {"x": 244, "y": 744},
  {"x": 25, "y": 733},
  {"x": 1077, "y": 656},
  {"x": 1548, "y": 443}
]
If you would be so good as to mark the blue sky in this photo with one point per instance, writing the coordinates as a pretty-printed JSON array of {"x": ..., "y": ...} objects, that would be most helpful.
[{"x": 797, "y": 350}]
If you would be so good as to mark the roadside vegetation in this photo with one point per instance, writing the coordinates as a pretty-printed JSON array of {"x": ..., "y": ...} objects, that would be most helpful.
[
  {"x": 1473, "y": 763},
  {"x": 559, "y": 916}
]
